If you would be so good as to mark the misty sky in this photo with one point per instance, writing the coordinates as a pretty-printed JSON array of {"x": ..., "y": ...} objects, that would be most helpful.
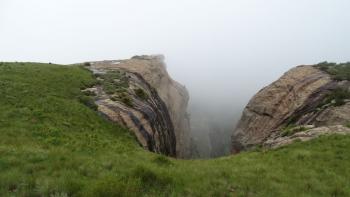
[{"x": 222, "y": 50}]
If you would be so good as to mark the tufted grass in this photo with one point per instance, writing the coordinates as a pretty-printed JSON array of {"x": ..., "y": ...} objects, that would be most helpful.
[{"x": 51, "y": 144}]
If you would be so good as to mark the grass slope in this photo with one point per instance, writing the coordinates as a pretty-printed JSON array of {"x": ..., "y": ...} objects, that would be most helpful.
[{"x": 53, "y": 145}]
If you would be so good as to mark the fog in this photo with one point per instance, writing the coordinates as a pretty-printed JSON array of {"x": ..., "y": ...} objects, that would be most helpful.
[{"x": 223, "y": 51}]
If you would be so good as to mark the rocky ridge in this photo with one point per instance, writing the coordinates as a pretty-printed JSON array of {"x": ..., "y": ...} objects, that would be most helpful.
[
  {"x": 302, "y": 96},
  {"x": 139, "y": 94}
]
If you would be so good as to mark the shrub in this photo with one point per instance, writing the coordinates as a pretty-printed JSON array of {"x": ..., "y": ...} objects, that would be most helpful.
[
  {"x": 325, "y": 65},
  {"x": 87, "y": 64},
  {"x": 338, "y": 72},
  {"x": 114, "y": 82},
  {"x": 88, "y": 84},
  {"x": 124, "y": 98},
  {"x": 88, "y": 101},
  {"x": 114, "y": 98},
  {"x": 337, "y": 97},
  {"x": 127, "y": 101},
  {"x": 109, "y": 88},
  {"x": 292, "y": 129},
  {"x": 348, "y": 125},
  {"x": 141, "y": 94},
  {"x": 89, "y": 93}
]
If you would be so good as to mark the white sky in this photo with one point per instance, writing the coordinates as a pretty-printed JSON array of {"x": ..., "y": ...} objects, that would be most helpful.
[{"x": 222, "y": 50}]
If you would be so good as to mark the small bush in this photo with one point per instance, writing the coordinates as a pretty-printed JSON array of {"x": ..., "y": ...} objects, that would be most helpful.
[
  {"x": 114, "y": 98},
  {"x": 114, "y": 82},
  {"x": 325, "y": 65},
  {"x": 338, "y": 72},
  {"x": 88, "y": 101},
  {"x": 109, "y": 88},
  {"x": 348, "y": 125},
  {"x": 292, "y": 129},
  {"x": 339, "y": 95},
  {"x": 89, "y": 93},
  {"x": 141, "y": 94},
  {"x": 88, "y": 84},
  {"x": 87, "y": 64},
  {"x": 127, "y": 101},
  {"x": 336, "y": 97}
]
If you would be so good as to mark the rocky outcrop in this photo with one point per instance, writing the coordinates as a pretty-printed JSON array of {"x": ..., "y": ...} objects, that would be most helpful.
[
  {"x": 332, "y": 115},
  {"x": 296, "y": 98},
  {"x": 139, "y": 94},
  {"x": 278, "y": 140}
]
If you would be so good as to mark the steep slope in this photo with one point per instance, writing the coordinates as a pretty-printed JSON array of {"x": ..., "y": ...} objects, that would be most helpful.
[
  {"x": 51, "y": 144},
  {"x": 305, "y": 95},
  {"x": 139, "y": 94}
]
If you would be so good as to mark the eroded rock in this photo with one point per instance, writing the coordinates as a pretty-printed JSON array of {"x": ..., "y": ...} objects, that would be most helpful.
[
  {"x": 297, "y": 98},
  {"x": 139, "y": 94}
]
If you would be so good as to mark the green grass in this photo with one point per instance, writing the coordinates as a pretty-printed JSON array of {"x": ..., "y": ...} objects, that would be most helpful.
[{"x": 51, "y": 144}]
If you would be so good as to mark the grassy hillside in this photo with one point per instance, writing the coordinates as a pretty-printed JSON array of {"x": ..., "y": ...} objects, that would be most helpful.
[{"x": 51, "y": 144}]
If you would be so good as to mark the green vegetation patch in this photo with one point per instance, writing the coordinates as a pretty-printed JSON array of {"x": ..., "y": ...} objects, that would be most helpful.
[
  {"x": 348, "y": 125},
  {"x": 141, "y": 94},
  {"x": 337, "y": 71},
  {"x": 53, "y": 145},
  {"x": 114, "y": 82},
  {"x": 335, "y": 98},
  {"x": 292, "y": 129},
  {"x": 88, "y": 101},
  {"x": 127, "y": 100},
  {"x": 124, "y": 98}
]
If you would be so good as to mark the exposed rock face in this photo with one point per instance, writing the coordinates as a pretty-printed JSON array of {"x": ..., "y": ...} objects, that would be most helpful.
[
  {"x": 149, "y": 102},
  {"x": 278, "y": 141},
  {"x": 333, "y": 115},
  {"x": 295, "y": 97}
]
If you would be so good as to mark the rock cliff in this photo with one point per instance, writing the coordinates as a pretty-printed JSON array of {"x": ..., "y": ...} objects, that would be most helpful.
[
  {"x": 305, "y": 95},
  {"x": 139, "y": 94}
]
